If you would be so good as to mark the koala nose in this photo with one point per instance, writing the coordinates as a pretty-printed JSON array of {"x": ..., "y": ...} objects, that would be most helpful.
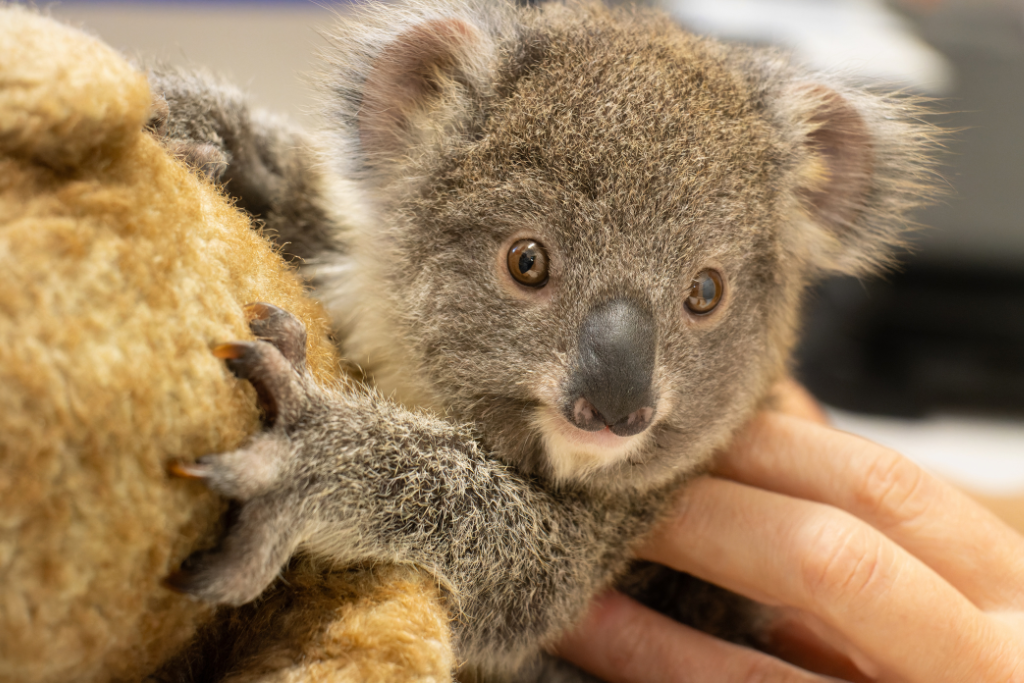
[{"x": 610, "y": 385}]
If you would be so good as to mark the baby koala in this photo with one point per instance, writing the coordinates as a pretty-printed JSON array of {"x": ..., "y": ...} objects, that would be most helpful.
[{"x": 572, "y": 248}]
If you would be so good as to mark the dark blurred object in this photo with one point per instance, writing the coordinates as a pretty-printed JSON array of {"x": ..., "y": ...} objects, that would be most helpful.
[
  {"x": 981, "y": 222},
  {"x": 923, "y": 340},
  {"x": 946, "y": 333}
]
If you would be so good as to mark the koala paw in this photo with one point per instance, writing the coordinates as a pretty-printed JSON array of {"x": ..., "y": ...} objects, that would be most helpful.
[
  {"x": 208, "y": 157},
  {"x": 267, "y": 529}
]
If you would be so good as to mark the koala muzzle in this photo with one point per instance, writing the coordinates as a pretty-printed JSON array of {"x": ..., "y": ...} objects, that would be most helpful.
[{"x": 610, "y": 385}]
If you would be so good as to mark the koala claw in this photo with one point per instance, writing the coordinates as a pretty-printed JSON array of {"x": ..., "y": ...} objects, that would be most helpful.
[
  {"x": 230, "y": 350},
  {"x": 185, "y": 470},
  {"x": 177, "y": 581},
  {"x": 277, "y": 383},
  {"x": 268, "y": 527}
]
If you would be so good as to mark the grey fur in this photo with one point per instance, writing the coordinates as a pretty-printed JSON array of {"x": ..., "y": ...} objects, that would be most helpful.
[
  {"x": 263, "y": 161},
  {"x": 639, "y": 155}
]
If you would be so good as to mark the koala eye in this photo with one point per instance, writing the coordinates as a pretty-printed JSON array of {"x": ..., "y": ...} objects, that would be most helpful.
[
  {"x": 706, "y": 292},
  {"x": 528, "y": 263}
]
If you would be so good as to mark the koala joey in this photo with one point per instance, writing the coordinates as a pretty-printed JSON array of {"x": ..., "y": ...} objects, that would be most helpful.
[{"x": 567, "y": 246}]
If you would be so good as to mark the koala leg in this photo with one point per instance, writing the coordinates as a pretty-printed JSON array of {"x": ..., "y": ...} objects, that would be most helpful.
[
  {"x": 263, "y": 535},
  {"x": 353, "y": 479},
  {"x": 273, "y": 366},
  {"x": 270, "y": 165}
]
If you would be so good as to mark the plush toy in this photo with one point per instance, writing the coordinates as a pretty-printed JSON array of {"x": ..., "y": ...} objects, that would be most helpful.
[{"x": 121, "y": 271}]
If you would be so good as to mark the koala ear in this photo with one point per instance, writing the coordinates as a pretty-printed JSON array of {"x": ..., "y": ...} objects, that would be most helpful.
[
  {"x": 420, "y": 85},
  {"x": 862, "y": 164},
  {"x": 841, "y": 157}
]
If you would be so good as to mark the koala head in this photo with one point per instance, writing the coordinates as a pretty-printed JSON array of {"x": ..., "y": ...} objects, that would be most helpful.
[{"x": 590, "y": 230}]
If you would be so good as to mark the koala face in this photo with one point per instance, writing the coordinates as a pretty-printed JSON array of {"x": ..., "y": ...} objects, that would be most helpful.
[
  {"x": 593, "y": 247},
  {"x": 598, "y": 332},
  {"x": 592, "y": 292}
]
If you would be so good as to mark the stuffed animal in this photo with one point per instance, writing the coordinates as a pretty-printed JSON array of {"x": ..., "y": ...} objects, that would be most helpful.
[{"x": 121, "y": 271}]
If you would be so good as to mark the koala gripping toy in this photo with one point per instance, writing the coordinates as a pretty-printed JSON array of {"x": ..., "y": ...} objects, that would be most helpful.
[
  {"x": 574, "y": 245},
  {"x": 121, "y": 271},
  {"x": 585, "y": 238}
]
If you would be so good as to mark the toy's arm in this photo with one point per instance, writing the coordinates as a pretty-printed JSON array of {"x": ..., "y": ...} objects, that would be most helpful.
[
  {"x": 353, "y": 478},
  {"x": 264, "y": 161}
]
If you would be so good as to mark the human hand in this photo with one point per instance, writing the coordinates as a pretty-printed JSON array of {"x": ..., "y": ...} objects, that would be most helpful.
[{"x": 875, "y": 569}]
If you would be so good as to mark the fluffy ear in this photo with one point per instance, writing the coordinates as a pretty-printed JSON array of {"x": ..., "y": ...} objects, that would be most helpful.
[
  {"x": 863, "y": 164},
  {"x": 421, "y": 86},
  {"x": 841, "y": 158}
]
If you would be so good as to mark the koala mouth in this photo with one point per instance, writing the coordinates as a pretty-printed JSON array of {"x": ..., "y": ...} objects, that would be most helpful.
[
  {"x": 604, "y": 437},
  {"x": 574, "y": 453}
]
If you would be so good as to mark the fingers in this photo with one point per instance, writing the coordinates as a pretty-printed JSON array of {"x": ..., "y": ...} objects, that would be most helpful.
[
  {"x": 891, "y": 607},
  {"x": 791, "y": 398},
  {"x": 802, "y": 639},
  {"x": 920, "y": 513},
  {"x": 621, "y": 641}
]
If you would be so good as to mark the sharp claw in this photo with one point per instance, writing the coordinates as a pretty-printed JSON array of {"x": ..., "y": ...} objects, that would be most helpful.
[
  {"x": 178, "y": 581},
  {"x": 174, "y": 582},
  {"x": 188, "y": 471},
  {"x": 231, "y": 350}
]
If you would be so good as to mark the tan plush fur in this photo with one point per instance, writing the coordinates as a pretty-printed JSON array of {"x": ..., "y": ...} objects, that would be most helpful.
[
  {"x": 121, "y": 269},
  {"x": 379, "y": 625},
  {"x": 638, "y": 157},
  {"x": 525, "y": 434}
]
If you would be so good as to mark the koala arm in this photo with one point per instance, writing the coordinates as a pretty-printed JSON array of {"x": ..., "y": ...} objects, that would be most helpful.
[
  {"x": 351, "y": 477},
  {"x": 268, "y": 164}
]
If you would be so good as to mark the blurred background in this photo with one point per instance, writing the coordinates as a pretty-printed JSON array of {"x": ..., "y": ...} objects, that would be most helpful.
[{"x": 928, "y": 359}]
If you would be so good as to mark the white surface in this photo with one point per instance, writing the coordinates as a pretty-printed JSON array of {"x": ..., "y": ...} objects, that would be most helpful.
[
  {"x": 984, "y": 455},
  {"x": 263, "y": 48},
  {"x": 860, "y": 37}
]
